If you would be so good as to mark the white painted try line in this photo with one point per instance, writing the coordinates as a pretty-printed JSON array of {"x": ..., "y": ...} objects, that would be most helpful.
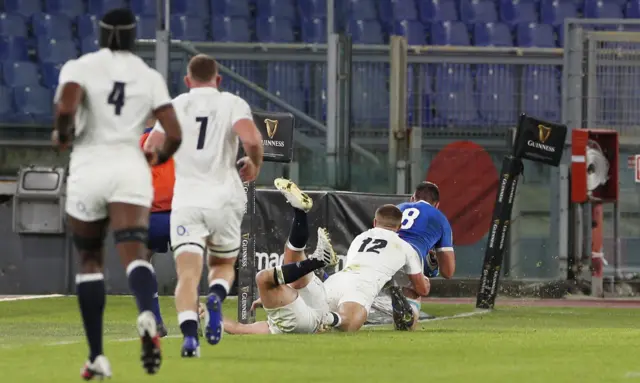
[
  {"x": 457, "y": 316},
  {"x": 29, "y": 297},
  {"x": 66, "y": 342}
]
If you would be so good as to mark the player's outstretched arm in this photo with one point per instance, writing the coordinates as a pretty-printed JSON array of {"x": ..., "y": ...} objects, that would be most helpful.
[
  {"x": 251, "y": 139},
  {"x": 236, "y": 328},
  {"x": 420, "y": 284},
  {"x": 444, "y": 252}
]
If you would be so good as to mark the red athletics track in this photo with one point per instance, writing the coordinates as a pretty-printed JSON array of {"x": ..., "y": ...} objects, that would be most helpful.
[{"x": 622, "y": 303}]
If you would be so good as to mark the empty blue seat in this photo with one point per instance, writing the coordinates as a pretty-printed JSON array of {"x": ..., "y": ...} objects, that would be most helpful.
[
  {"x": 20, "y": 73},
  {"x": 496, "y": 85},
  {"x": 312, "y": 9},
  {"x": 492, "y": 35},
  {"x": 438, "y": 10},
  {"x": 69, "y": 8},
  {"x": 87, "y": 26},
  {"x": 513, "y": 12},
  {"x": 144, "y": 7},
  {"x": 285, "y": 81},
  {"x": 100, "y": 7},
  {"x": 397, "y": 10},
  {"x": 190, "y": 8},
  {"x": 25, "y": 8},
  {"x": 449, "y": 33},
  {"x": 188, "y": 28},
  {"x": 370, "y": 106},
  {"x": 602, "y": 10},
  {"x": 231, "y": 8},
  {"x": 455, "y": 101},
  {"x": 230, "y": 29},
  {"x": 272, "y": 30},
  {"x": 361, "y": 10},
  {"x": 146, "y": 27},
  {"x": 88, "y": 45},
  {"x": 632, "y": 10},
  {"x": 535, "y": 35},
  {"x": 51, "y": 26},
  {"x": 365, "y": 32},
  {"x": 246, "y": 69},
  {"x": 7, "y": 113},
  {"x": 414, "y": 31},
  {"x": 554, "y": 12},
  {"x": 13, "y": 48},
  {"x": 478, "y": 11},
  {"x": 541, "y": 92},
  {"x": 280, "y": 9},
  {"x": 314, "y": 31},
  {"x": 50, "y": 74},
  {"x": 35, "y": 104},
  {"x": 12, "y": 24},
  {"x": 56, "y": 51}
]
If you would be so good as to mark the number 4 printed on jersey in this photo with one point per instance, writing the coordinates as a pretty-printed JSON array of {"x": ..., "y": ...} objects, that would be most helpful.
[{"x": 116, "y": 97}]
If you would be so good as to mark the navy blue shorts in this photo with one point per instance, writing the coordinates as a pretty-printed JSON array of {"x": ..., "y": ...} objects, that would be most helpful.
[{"x": 159, "y": 232}]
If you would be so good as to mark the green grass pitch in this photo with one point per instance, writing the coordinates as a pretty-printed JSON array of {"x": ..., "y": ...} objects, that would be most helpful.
[{"x": 42, "y": 341}]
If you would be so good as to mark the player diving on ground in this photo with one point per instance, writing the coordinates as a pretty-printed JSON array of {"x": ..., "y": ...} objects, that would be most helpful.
[
  {"x": 428, "y": 231},
  {"x": 344, "y": 300}
]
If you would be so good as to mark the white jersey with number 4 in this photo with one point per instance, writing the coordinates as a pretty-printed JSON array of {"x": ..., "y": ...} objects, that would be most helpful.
[
  {"x": 120, "y": 92},
  {"x": 373, "y": 258},
  {"x": 107, "y": 165},
  {"x": 206, "y": 172}
]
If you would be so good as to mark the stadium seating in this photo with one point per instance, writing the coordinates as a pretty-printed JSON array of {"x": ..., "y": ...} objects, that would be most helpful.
[
  {"x": 7, "y": 113},
  {"x": 37, "y": 36},
  {"x": 34, "y": 104}
]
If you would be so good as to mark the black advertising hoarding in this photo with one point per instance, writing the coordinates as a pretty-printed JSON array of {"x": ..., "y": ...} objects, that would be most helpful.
[
  {"x": 539, "y": 140},
  {"x": 277, "y": 135},
  {"x": 498, "y": 233}
]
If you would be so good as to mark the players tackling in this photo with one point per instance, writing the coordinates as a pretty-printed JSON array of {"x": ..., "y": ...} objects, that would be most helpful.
[
  {"x": 107, "y": 96},
  {"x": 304, "y": 306},
  {"x": 209, "y": 200}
]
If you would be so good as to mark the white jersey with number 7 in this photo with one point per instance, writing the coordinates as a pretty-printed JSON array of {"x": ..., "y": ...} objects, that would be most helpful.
[{"x": 206, "y": 173}]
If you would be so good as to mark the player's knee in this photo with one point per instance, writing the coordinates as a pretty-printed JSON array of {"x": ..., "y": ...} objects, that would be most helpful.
[
  {"x": 88, "y": 245},
  {"x": 188, "y": 248},
  {"x": 131, "y": 234},
  {"x": 265, "y": 278},
  {"x": 215, "y": 261}
]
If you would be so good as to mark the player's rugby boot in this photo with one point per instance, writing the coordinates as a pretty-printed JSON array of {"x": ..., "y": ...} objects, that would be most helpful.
[
  {"x": 296, "y": 197},
  {"x": 402, "y": 311},
  {"x": 151, "y": 356},
  {"x": 213, "y": 325},
  {"x": 190, "y": 347},
  {"x": 162, "y": 330},
  {"x": 99, "y": 369},
  {"x": 324, "y": 251}
]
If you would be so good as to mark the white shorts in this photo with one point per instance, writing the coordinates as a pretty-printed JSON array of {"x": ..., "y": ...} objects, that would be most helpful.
[
  {"x": 314, "y": 294},
  {"x": 295, "y": 318},
  {"x": 216, "y": 230},
  {"x": 341, "y": 288},
  {"x": 90, "y": 189}
]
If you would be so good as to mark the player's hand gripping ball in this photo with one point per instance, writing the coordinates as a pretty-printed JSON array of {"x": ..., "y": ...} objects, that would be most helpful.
[{"x": 432, "y": 264}]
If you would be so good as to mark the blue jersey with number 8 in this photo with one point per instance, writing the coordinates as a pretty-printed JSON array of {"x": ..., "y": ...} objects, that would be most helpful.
[{"x": 425, "y": 227}]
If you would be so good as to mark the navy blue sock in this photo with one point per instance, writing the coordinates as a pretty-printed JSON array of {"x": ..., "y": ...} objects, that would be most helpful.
[
  {"x": 156, "y": 302},
  {"x": 91, "y": 298},
  {"x": 142, "y": 281},
  {"x": 299, "y": 233},
  {"x": 219, "y": 287},
  {"x": 188, "y": 323}
]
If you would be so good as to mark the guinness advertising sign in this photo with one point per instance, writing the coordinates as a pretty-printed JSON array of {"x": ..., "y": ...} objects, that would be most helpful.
[
  {"x": 277, "y": 135},
  {"x": 539, "y": 141}
]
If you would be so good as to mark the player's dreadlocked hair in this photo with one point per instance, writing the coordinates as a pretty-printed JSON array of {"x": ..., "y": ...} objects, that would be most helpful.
[
  {"x": 427, "y": 191},
  {"x": 118, "y": 30}
]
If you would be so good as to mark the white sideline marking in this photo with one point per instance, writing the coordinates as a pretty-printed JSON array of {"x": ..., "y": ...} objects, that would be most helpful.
[
  {"x": 29, "y": 297},
  {"x": 632, "y": 374},
  {"x": 456, "y": 316},
  {"x": 66, "y": 342}
]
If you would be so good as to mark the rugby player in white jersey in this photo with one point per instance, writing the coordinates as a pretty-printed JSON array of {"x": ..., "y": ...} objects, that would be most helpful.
[
  {"x": 346, "y": 297},
  {"x": 209, "y": 199},
  {"x": 102, "y": 103}
]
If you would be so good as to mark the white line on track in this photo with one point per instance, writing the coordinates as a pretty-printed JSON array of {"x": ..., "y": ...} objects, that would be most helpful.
[{"x": 456, "y": 316}]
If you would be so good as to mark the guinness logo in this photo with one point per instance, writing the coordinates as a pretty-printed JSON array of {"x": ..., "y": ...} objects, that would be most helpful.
[
  {"x": 543, "y": 133},
  {"x": 272, "y": 127}
]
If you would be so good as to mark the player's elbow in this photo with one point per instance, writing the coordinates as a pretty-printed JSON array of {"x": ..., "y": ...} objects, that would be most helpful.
[
  {"x": 423, "y": 288},
  {"x": 446, "y": 263}
]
